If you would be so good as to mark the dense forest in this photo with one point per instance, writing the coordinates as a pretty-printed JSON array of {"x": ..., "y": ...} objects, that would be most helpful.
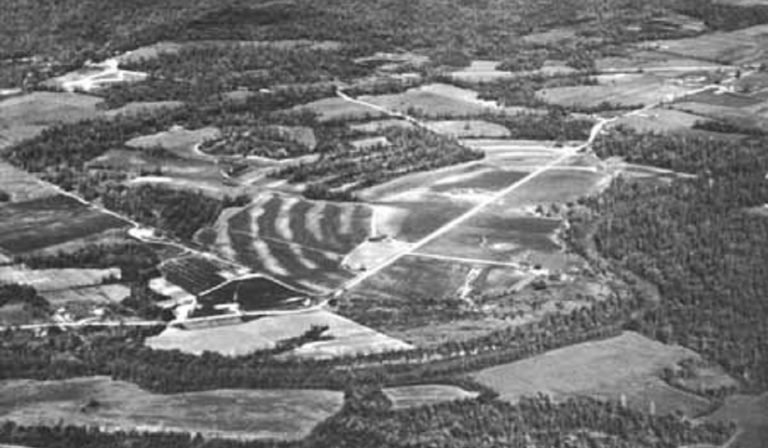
[{"x": 698, "y": 240}]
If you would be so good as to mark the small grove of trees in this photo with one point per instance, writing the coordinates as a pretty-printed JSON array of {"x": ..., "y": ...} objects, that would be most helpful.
[{"x": 27, "y": 296}]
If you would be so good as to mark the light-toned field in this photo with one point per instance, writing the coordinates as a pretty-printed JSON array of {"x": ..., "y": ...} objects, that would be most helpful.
[
  {"x": 300, "y": 134},
  {"x": 469, "y": 128},
  {"x": 94, "y": 77},
  {"x": 177, "y": 140},
  {"x": 751, "y": 415},
  {"x": 102, "y": 294},
  {"x": 620, "y": 89},
  {"x": 627, "y": 365},
  {"x": 117, "y": 405},
  {"x": 345, "y": 337},
  {"x": 338, "y": 109},
  {"x": 745, "y": 46},
  {"x": 56, "y": 279},
  {"x": 433, "y": 99},
  {"x": 294, "y": 240},
  {"x": 660, "y": 120},
  {"x": 426, "y": 394},
  {"x": 486, "y": 71},
  {"x": 656, "y": 62},
  {"x": 26, "y": 116},
  {"x": 143, "y": 107},
  {"x": 21, "y": 185},
  {"x": 375, "y": 127}
]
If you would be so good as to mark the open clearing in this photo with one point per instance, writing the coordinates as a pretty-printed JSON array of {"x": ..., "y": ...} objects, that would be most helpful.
[
  {"x": 433, "y": 99},
  {"x": 377, "y": 126},
  {"x": 344, "y": 337},
  {"x": 20, "y": 185},
  {"x": 117, "y": 405},
  {"x": 56, "y": 279},
  {"x": 660, "y": 120},
  {"x": 745, "y": 46},
  {"x": 143, "y": 107},
  {"x": 627, "y": 365},
  {"x": 338, "y": 109},
  {"x": 94, "y": 77},
  {"x": 43, "y": 222},
  {"x": 469, "y": 128},
  {"x": 177, "y": 140},
  {"x": 656, "y": 62},
  {"x": 426, "y": 394},
  {"x": 103, "y": 294},
  {"x": 486, "y": 71},
  {"x": 25, "y": 116},
  {"x": 626, "y": 90},
  {"x": 750, "y": 413}
]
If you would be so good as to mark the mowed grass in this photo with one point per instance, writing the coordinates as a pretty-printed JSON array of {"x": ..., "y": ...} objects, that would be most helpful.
[
  {"x": 627, "y": 90},
  {"x": 102, "y": 294},
  {"x": 426, "y": 394},
  {"x": 26, "y": 116},
  {"x": 558, "y": 185},
  {"x": 344, "y": 337},
  {"x": 628, "y": 364},
  {"x": 237, "y": 414},
  {"x": 43, "y": 222}
]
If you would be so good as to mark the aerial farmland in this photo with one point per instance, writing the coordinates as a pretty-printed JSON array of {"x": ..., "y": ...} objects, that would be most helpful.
[{"x": 378, "y": 224}]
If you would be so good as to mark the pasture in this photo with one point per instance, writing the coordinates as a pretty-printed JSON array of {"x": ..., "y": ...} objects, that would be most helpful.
[
  {"x": 338, "y": 109},
  {"x": 102, "y": 294},
  {"x": 47, "y": 280},
  {"x": 628, "y": 365},
  {"x": 655, "y": 62},
  {"x": 143, "y": 107},
  {"x": 744, "y": 46},
  {"x": 343, "y": 337},
  {"x": 426, "y": 394},
  {"x": 626, "y": 90},
  {"x": 179, "y": 141},
  {"x": 22, "y": 186},
  {"x": 485, "y": 71},
  {"x": 26, "y": 116},
  {"x": 377, "y": 126},
  {"x": 117, "y": 405},
  {"x": 469, "y": 129},
  {"x": 433, "y": 100},
  {"x": 43, "y": 222},
  {"x": 660, "y": 120}
]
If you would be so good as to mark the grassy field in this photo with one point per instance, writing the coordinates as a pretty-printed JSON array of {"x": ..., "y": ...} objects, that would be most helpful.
[
  {"x": 655, "y": 61},
  {"x": 178, "y": 141},
  {"x": 45, "y": 280},
  {"x": 43, "y": 222},
  {"x": 622, "y": 89},
  {"x": 628, "y": 364},
  {"x": 469, "y": 128},
  {"x": 433, "y": 99},
  {"x": 26, "y": 116},
  {"x": 344, "y": 337},
  {"x": 102, "y": 294},
  {"x": 426, "y": 394},
  {"x": 20, "y": 185},
  {"x": 99, "y": 401},
  {"x": 337, "y": 109},
  {"x": 751, "y": 415},
  {"x": 745, "y": 46},
  {"x": 660, "y": 120},
  {"x": 376, "y": 126}
]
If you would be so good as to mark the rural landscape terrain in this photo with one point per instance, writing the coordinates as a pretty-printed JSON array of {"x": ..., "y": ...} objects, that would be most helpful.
[{"x": 384, "y": 223}]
